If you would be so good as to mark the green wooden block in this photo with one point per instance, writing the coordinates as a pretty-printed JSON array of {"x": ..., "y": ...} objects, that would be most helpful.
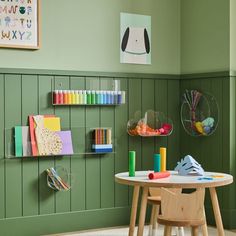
[{"x": 18, "y": 141}]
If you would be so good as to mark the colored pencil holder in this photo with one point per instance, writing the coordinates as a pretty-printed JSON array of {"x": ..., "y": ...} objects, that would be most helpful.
[
  {"x": 131, "y": 163},
  {"x": 163, "y": 158},
  {"x": 157, "y": 162}
]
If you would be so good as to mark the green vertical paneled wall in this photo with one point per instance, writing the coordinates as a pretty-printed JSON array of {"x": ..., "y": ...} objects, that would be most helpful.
[
  {"x": 27, "y": 205},
  {"x": 217, "y": 151}
]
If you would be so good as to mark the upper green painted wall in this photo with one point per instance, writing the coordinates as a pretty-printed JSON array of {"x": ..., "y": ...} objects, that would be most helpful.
[
  {"x": 232, "y": 35},
  {"x": 84, "y": 35},
  {"x": 205, "y": 35}
]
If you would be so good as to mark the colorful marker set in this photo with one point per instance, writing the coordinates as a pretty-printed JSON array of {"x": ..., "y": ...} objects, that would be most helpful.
[
  {"x": 88, "y": 97},
  {"x": 160, "y": 160}
]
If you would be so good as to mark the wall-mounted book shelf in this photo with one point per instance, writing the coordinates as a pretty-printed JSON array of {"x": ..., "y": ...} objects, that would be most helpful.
[{"x": 78, "y": 141}]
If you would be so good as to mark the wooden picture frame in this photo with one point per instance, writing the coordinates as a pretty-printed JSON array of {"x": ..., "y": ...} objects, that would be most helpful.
[{"x": 20, "y": 22}]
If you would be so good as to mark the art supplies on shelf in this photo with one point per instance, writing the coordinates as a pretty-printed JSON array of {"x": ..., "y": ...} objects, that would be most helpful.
[
  {"x": 153, "y": 124},
  {"x": 102, "y": 141},
  {"x": 58, "y": 179},
  {"x": 199, "y": 113},
  {"x": 88, "y": 97}
]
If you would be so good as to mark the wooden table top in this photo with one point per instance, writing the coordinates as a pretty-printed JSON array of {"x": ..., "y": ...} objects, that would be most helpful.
[{"x": 175, "y": 180}]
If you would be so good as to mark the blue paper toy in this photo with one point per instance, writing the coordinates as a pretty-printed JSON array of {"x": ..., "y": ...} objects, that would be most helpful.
[{"x": 189, "y": 165}]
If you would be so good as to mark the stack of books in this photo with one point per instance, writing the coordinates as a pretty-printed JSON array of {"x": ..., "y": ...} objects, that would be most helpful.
[{"x": 102, "y": 140}]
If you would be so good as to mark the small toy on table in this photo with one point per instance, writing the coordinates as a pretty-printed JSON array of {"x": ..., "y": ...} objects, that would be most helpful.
[
  {"x": 158, "y": 175},
  {"x": 131, "y": 163},
  {"x": 188, "y": 166}
]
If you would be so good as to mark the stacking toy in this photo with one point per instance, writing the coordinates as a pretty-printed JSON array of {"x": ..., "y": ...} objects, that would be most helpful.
[
  {"x": 157, "y": 162},
  {"x": 131, "y": 163},
  {"x": 159, "y": 175},
  {"x": 163, "y": 158}
]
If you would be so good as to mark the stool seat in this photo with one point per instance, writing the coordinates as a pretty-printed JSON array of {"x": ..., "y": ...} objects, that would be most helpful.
[
  {"x": 180, "y": 223},
  {"x": 154, "y": 200}
]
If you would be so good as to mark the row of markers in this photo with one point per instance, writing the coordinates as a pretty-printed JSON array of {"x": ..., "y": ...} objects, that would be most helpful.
[{"x": 88, "y": 97}]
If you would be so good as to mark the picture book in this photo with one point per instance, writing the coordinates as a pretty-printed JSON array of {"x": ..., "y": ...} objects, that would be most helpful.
[
  {"x": 26, "y": 141},
  {"x": 67, "y": 147},
  {"x": 18, "y": 141}
]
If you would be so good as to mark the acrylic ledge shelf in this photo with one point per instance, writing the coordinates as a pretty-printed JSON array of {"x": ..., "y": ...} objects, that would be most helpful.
[
  {"x": 146, "y": 135},
  {"x": 11, "y": 157},
  {"x": 109, "y": 105}
]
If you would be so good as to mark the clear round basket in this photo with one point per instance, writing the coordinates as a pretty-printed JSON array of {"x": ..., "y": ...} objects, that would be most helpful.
[
  {"x": 154, "y": 123},
  {"x": 58, "y": 178}
]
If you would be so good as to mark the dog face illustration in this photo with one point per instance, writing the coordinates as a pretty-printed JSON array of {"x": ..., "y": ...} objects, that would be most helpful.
[{"x": 135, "y": 45}]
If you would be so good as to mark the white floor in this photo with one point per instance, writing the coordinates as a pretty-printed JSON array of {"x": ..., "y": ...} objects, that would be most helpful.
[{"x": 123, "y": 231}]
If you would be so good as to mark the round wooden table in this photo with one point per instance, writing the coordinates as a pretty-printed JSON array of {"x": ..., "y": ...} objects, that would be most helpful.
[{"x": 211, "y": 181}]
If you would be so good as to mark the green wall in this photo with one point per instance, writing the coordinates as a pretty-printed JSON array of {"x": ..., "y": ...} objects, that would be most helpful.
[
  {"x": 232, "y": 35},
  {"x": 205, "y": 36},
  {"x": 84, "y": 35},
  {"x": 217, "y": 151},
  {"x": 27, "y": 205}
]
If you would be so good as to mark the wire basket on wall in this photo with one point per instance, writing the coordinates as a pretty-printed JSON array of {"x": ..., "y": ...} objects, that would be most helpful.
[{"x": 199, "y": 113}]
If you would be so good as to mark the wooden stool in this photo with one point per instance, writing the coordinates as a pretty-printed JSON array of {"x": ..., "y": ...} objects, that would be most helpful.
[
  {"x": 155, "y": 200},
  {"x": 182, "y": 210}
]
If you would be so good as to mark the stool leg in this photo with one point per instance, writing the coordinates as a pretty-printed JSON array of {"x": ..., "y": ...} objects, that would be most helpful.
[
  {"x": 155, "y": 224},
  {"x": 151, "y": 220},
  {"x": 179, "y": 231},
  {"x": 167, "y": 230},
  {"x": 194, "y": 231}
]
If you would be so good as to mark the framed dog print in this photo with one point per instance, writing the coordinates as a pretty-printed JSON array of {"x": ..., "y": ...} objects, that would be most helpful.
[
  {"x": 20, "y": 24},
  {"x": 135, "y": 38}
]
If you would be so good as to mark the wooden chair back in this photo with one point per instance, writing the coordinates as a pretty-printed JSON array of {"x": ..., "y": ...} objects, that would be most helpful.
[{"x": 182, "y": 207}]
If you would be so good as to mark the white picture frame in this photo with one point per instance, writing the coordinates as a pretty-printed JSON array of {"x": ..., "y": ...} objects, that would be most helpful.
[{"x": 20, "y": 24}]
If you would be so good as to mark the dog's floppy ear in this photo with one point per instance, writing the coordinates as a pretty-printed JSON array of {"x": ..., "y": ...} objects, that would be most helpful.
[
  {"x": 146, "y": 41},
  {"x": 125, "y": 39}
]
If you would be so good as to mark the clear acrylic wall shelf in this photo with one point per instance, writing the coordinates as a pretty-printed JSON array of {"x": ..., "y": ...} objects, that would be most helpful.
[
  {"x": 199, "y": 113},
  {"x": 81, "y": 139},
  {"x": 153, "y": 124},
  {"x": 106, "y": 94}
]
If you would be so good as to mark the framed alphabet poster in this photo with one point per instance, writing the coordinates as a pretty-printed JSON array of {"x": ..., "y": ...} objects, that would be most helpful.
[{"x": 20, "y": 23}]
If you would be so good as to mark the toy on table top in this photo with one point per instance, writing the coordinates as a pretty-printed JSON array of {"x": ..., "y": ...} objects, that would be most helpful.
[
  {"x": 188, "y": 166},
  {"x": 159, "y": 175},
  {"x": 153, "y": 124}
]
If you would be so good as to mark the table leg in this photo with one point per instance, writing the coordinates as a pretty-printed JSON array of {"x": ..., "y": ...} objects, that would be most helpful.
[
  {"x": 142, "y": 213},
  {"x": 204, "y": 227},
  {"x": 216, "y": 209},
  {"x": 134, "y": 210}
]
